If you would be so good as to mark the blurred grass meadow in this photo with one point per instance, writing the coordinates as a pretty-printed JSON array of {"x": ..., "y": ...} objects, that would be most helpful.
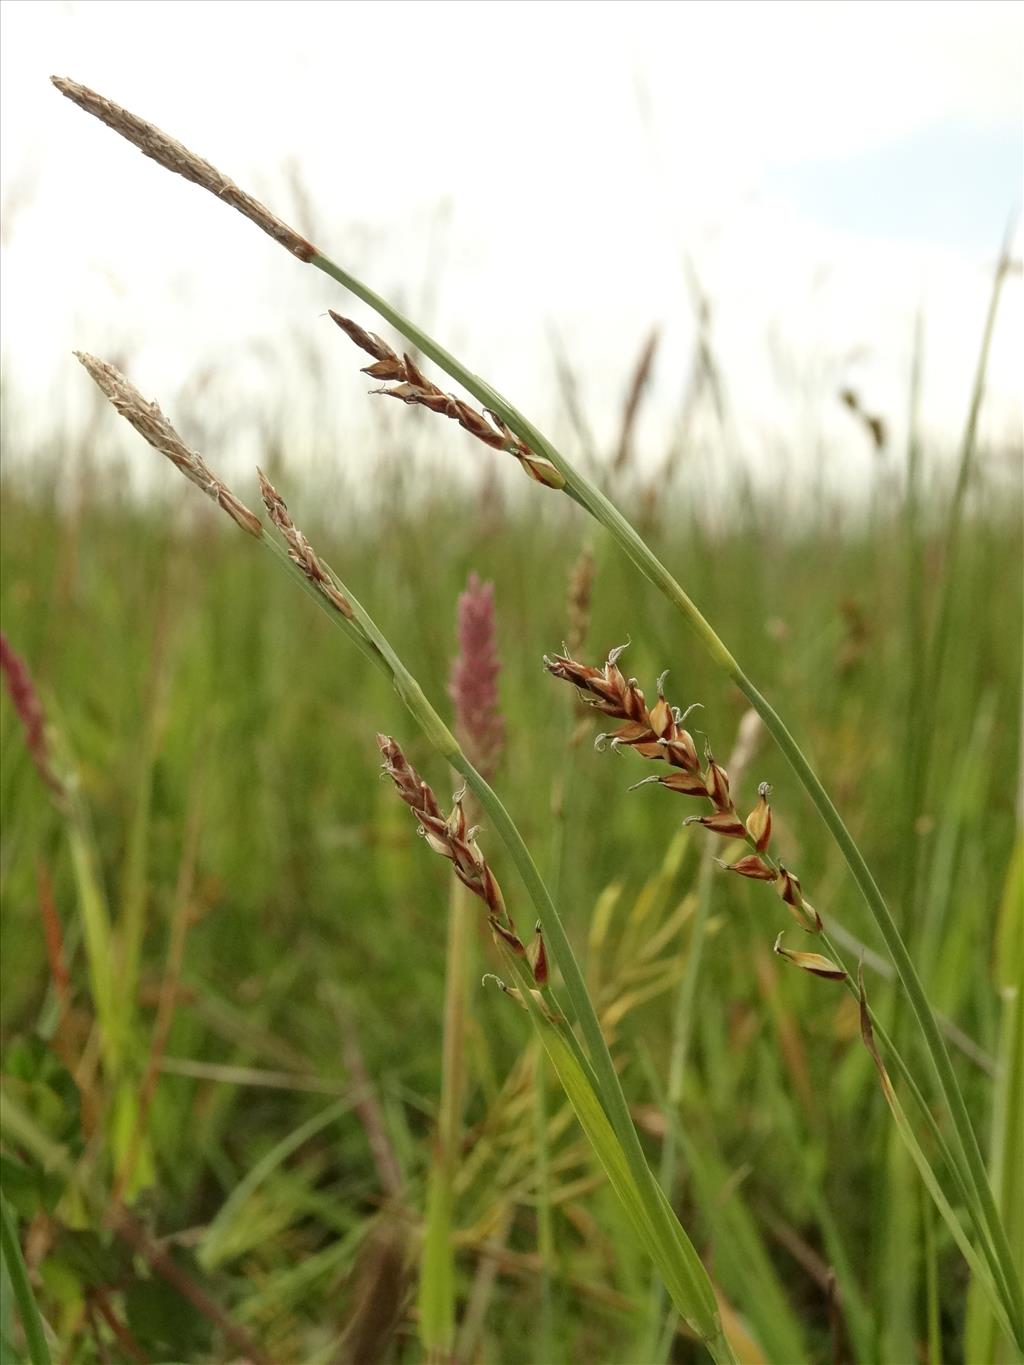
[
  {"x": 225, "y": 949},
  {"x": 291, "y": 929}
]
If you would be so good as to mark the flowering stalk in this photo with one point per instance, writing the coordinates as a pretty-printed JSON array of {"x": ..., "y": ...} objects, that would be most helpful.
[
  {"x": 589, "y": 1077},
  {"x": 969, "y": 1162},
  {"x": 452, "y": 837},
  {"x": 411, "y": 385},
  {"x": 657, "y": 733}
]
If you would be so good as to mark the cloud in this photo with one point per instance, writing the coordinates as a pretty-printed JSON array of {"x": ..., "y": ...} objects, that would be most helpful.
[{"x": 583, "y": 160}]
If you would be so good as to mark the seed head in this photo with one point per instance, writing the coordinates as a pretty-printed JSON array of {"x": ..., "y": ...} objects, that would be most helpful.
[
  {"x": 153, "y": 426},
  {"x": 581, "y": 584},
  {"x": 451, "y": 837},
  {"x": 170, "y": 154},
  {"x": 410, "y": 385}
]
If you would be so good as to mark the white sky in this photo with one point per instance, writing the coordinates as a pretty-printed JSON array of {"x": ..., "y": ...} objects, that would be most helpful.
[{"x": 513, "y": 169}]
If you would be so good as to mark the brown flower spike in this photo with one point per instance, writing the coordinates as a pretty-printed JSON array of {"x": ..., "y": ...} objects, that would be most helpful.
[
  {"x": 153, "y": 426},
  {"x": 452, "y": 839},
  {"x": 300, "y": 551},
  {"x": 170, "y": 154},
  {"x": 658, "y": 732},
  {"x": 412, "y": 386}
]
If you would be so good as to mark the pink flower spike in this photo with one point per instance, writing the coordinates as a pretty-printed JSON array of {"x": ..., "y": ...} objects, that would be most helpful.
[
  {"x": 474, "y": 680},
  {"x": 29, "y": 709}
]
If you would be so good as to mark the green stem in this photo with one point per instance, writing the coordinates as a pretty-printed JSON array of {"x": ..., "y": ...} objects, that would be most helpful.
[
  {"x": 608, "y": 1083},
  {"x": 967, "y": 1141},
  {"x": 545, "y": 1219},
  {"x": 695, "y": 1298},
  {"x": 437, "y": 1275},
  {"x": 31, "y": 1322},
  {"x": 682, "y": 1031}
]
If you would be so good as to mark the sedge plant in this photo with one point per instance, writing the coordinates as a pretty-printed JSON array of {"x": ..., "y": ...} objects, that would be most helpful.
[
  {"x": 586, "y": 1073},
  {"x": 504, "y": 427}
]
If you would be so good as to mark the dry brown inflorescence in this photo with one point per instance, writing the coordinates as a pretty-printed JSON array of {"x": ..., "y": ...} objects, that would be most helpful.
[
  {"x": 153, "y": 426},
  {"x": 411, "y": 385},
  {"x": 452, "y": 837},
  {"x": 657, "y": 732},
  {"x": 170, "y": 154}
]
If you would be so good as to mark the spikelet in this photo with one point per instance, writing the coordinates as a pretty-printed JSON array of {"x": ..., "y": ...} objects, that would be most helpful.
[
  {"x": 411, "y": 385},
  {"x": 300, "y": 551},
  {"x": 451, "y": 837}
]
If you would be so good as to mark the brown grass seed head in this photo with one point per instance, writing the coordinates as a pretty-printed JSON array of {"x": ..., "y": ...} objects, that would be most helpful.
[
  {"x": 170, "y": 154},
  {"x": 450, "y": 837},
  {"x": 411, "y": 385},
  {"x": 153, "y": 426},
  {"x": 658, "y": 733}
]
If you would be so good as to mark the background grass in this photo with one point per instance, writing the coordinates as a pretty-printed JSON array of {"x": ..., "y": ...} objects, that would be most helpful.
[{"x": 224, "y": 740}]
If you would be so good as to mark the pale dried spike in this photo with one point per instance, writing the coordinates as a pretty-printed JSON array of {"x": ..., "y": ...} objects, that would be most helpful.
[
  {"x": 300, "y": 552},
  {"x": 153, "y": 426},
  {"x": 170, "y": 154},
  {"x": 867, "y": 1034}
]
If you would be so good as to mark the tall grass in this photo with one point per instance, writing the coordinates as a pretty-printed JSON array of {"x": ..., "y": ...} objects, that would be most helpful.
[
  {"x": 776, "y": 1079},
  {"x": 309, "y": 875}
]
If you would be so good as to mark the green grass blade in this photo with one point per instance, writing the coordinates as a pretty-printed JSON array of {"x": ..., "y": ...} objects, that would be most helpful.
[
  {"x": 214, "y": 1247},
  {"x": 31, "y": 1322}
]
